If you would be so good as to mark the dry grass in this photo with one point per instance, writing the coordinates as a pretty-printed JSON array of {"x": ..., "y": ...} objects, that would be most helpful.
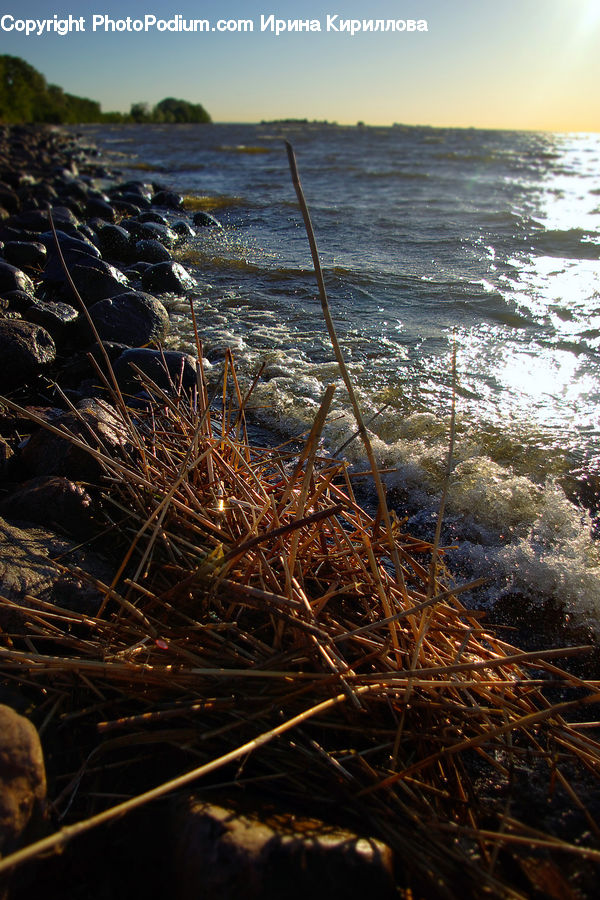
[{"x": 256, "y": 598}]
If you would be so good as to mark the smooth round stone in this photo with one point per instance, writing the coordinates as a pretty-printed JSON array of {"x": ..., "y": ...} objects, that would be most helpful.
[
  {"x": 142, "y": 231},
  {"x": 125, "y": 208},
  {"x": 98, "y": 283},
  {"x": 140, "y": 188},
  {"x": 205, "y": 220},
  {"x": 134, "y": 318},
  {"x": 151, "y": 251},
  {"x": 66, "y": 241},
  {"x": 54, "y": 273},
  {"x": 168, "y": 199},
  {"x": 22, "y": 776},
  {"x": 96, "y": 207},
  {"x": 183, "y": 229},
  {"x": 14, "y": 279},
  {"x": 138, "y": 268},
  {"x": 152, "y": 216},
  {"x": 18, "y": 301},
  {"x": 115, "y": 241},
  {"x": 167, "y": 277},
  {"x": 25, "y": 348},
  {"x": 31, "y": 255}
]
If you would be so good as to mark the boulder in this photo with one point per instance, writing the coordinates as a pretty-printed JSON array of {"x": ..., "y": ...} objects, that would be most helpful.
[
  {"x": 222, "y": 852},
  {"x": 180, "y": 368},
  {"x": 167, "y": 277},
  {"x": 115, "y": 242},
  {"x": 100, "y": 208},
  {"x": 26, "y": 254},
  {"x": 183, "y": 229},
  {"x": 95, "y": 423},
  {"x": 167, "y": 199},
  {"x": 133, "y": 318},
  {"x": 13, "y": 279},
  {"x": 22, "y": 777},
  {"x": 205, "y": 220},
  {"x": 151, "y": 251},
  {"x": 53, "y": 501},
  {"x": 25, "y": 349},
  {"x": 27, "y": 569},
  {"x": 98, "y": 282},
  {"x": 57, "y": 318}
]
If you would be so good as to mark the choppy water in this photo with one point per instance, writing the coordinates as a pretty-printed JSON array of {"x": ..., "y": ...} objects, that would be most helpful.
[{"x": 427, "y": 236}]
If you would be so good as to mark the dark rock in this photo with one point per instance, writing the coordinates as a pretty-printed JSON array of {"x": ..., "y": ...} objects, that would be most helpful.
[
  {"x": 132, "y": 318},
  {"x": 151, "y": 251},
  {"x": 180, "y": 368},
  {"x": 138, "y": 268},
  {"x": 56, "y": 318},
  {"x": 183, "y": 230},
  {"x": 205, "y": 220},
  {"x": 13, "y": 279},
  {"x": 5, "y": 455},
  {"x": 25, "y": 348},
  {"x": 96, "y": 423},
  {"x": 9, "y": 200},
  {"x": 168, "y": 199},
  {"x": 221, "y": 852},
  {"x": 135, "y": 199},
  {"x": 100, "y": 208},
  {"x": 38, "y": 220},
  {"x": 22, "y": 777},
  {"x": 18, "y": 301},
  {"x": 27, "y": 570},
  {"x": 167, "y": 277},
  {"x": 151, "y": 231},
  {"x": 139, "y": 188},
  {"x": 54, "y": 501},
  {"x": 115, "y": 242},
  {"x": 152, "y": 216},
  {"x": 77, "y": 241},
  {"x": 125, "y": 208},
  {"x": 98, "y": 283},
  {"x": 25, "y": 254}
]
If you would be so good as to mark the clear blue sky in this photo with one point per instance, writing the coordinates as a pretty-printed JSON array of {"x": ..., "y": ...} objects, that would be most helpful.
[{"x": 487, "y": 63}]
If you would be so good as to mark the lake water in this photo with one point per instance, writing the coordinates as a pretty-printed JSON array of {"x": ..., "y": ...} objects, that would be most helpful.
[{"x": 488, "y": 241}]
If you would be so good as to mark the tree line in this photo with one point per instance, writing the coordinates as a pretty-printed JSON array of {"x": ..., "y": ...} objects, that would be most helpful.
[{"x": 25, "y": 96}]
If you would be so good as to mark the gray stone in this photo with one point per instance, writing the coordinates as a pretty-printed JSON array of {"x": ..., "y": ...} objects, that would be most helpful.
[
  {"x": 151, "y": 251},
  {"x": 28, "y": 254},
  {"x": 205, "y": 220},
  {"x": 180, "y": 368},
  {"x": 13, "y": 279}
]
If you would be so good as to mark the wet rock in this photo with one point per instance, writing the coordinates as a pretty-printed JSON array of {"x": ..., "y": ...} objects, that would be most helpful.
[
  {"x": 152, "y": 216},
  {"x": 95, "y": 423},
  {"x": 220, "y": 852},
  {"x": 115, "y": 242},
  {"x": 27, "y": 569},
  {"x": 139, "y": 188},
  {"x": 151, "y": 231},
  {"x": 9, "y": 199},
  {"x": 133, "y": 318},
  {"x": 53, "y": 501},
  {"x": 77, "y": 241},
  {"x": 13, "y": 279},
  {"x": 183, "y": 229},
  {"x": 19, "y": 301},
  {"x": 168, "y": 199},
  {"x": 22, "y": 777},
  {"x": 137, "y": 269},
  {"x": 25, "y": 349},
  {"x": 136, "y": 199},
  {"x": 98, "y": 282},
  {"x": 57, "y": 318},
  {"x": 205, "y": 220},
  {"x": 38, "y": 219},
  {"x": 180, "y": 368},
  {"x": 26, "y": 254},
  {"x": 100, "y": 208},
  {"x": 167, "y": 277},
  {"x": 151, "y": 251},
  {"x": 125, "y": 208}
]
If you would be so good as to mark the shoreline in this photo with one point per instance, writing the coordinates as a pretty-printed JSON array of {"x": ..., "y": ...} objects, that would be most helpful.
[{"x": 68, "y": 469}]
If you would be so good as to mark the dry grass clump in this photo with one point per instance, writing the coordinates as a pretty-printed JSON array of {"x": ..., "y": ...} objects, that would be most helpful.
[{"x": 256, "y": 615}]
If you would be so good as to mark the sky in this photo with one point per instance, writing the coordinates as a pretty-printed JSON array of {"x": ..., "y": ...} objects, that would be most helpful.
[{"x": 523, "y": 64}]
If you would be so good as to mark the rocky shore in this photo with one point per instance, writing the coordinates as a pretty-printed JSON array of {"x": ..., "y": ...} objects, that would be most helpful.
[
  {"x": 64, "y": 312},
  {"x": 116, "y": 239}
]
